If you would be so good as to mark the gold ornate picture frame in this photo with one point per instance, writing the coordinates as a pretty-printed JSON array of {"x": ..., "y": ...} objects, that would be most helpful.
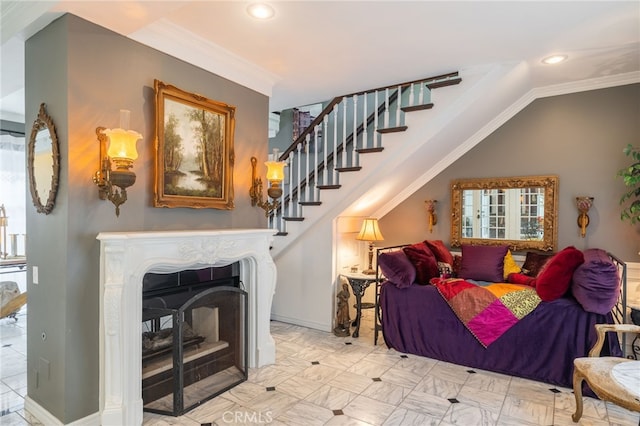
[
  {"x": 194, "y": 150},
  {"x": 548, "y": 223}
]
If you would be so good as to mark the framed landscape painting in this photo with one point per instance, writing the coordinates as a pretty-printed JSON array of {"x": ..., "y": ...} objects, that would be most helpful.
[{"x": 194, "y": 150}]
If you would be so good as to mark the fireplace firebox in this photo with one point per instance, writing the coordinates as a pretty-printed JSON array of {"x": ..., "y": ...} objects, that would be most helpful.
[{"x": 194, "y": 339}]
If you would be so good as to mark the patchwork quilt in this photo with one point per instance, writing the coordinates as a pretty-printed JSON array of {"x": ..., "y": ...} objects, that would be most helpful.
[{"x": 487, "y": 311}]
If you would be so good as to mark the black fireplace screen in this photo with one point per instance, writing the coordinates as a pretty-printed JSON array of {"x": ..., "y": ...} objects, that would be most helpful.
[{"x": 194, "y": 346}]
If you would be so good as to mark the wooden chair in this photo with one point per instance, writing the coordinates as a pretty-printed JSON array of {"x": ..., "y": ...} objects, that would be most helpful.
[{"x": 596, "y": 371}]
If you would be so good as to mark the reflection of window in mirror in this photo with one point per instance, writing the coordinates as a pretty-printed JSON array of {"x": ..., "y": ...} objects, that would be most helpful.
[{"x": 512, "y": 214}]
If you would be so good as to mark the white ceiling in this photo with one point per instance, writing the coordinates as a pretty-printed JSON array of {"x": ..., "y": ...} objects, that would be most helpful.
[{"x": 314, "y": 50}]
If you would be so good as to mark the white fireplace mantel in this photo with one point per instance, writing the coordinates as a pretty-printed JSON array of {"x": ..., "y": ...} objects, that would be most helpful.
[{"x": 125, "y": 257}]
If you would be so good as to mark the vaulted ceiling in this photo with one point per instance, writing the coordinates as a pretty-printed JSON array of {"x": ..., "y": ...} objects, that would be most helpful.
[{"x": 312, "y": 51}]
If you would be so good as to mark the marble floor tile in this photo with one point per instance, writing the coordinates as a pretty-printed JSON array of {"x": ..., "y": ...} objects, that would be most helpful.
[
  {"x": 404, "y": 417},
  {"x": 305, "y": 413},
  {"x": 386, "y": 392},
  {"x": 425, "y": 404},
  {"x": 244, "y": 392},
  {"x": 438, "y": 387},
  {"x": 592, "y": 408},
  {"x": 401, "y": 376},
  {"x": 331, "y": 397},
  {"x": 346, "y": 421},
  {"x": 488, "y": 400},
  {"x": 272, "y": 403},
  {"x": 487, "y": 381},
  {"x": 532, "y": 391},
  {"x": 527, "y": 411},
  {"x": 351, "y": 382},
  {"x": 369, "y": 410},
  {"x": 621, "y": 416},
  {"x": 13, "y": 419},
  {"x": 450, "y": 372},
  {"x": 465, "y": 414},
  {"x": 299, "y": 386},
  {"x": 368, "y": 368}
]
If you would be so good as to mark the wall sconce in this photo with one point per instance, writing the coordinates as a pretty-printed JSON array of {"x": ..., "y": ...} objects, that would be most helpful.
[
  {"x": 370, "y": 231},
  {"x": 583, "y": 204},
  {"x": 113, "y": 184},
  {"x": 275, "y": 175},
  {"x": 431, "y": 211}
]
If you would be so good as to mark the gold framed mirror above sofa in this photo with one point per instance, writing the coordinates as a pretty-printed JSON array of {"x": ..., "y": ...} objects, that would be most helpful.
[{"x": 521, "y": 212}]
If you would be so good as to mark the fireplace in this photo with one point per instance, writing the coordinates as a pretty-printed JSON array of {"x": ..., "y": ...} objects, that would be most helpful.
[
  {"x": 194, "y": 338},
  {"x": 126, "y": 257}
]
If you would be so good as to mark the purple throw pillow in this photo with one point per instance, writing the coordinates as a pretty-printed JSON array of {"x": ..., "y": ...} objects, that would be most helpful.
[
  {"x": 424, "y": 261},
  {"x": 596, "y": 284},
  {"x": 483, "y": 263},
  {"x": 397, "y": 268}
]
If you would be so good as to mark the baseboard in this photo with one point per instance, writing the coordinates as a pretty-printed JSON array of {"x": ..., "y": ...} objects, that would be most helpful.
[
  {"x": 302, "y": 323},
  {"x": 36, "y": 415}
]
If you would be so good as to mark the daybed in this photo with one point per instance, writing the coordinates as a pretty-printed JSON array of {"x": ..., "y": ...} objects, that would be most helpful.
[{"x": 417, "y": 318}]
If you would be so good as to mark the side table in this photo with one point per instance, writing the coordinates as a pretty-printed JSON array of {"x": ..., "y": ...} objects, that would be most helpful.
[{"x": 359, "y": 283}]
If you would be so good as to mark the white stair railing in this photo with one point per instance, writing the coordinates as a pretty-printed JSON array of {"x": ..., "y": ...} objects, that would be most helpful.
[{"x": 348, "y": 126}]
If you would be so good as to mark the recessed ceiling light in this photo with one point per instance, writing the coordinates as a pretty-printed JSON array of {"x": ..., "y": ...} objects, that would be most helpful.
[
  {"x": 261, "y": 11},
  {"x": 555, "y": 59}
]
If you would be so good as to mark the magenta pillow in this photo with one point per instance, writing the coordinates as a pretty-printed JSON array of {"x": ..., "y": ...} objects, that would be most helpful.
[
  {"x": 596, "y": 284},
  {"x": 554, "y": 279},
  {"x": 397, "y": 268},
  {"x": 483, "y": 263},
  {"x": 424, "y": 261},
  {"x": 440, "y": 251}
]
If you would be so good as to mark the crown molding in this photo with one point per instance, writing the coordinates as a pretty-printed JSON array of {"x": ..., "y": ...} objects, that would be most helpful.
[{"x": 174, "y": 40}]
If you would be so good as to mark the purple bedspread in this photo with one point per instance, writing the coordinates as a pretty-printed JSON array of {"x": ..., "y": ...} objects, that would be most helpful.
[{"x": 541, "y": 346}]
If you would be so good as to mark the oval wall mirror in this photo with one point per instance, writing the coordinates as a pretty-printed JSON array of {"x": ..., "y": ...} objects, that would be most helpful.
[{"x": 43, "y": 162}]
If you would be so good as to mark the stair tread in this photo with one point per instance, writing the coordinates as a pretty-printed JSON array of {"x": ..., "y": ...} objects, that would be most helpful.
[
  {"x": 393, "y": 129},
  {"x": 310, "y": 203},
  {"x": 281, "y": 234},
  {"x": 328, "y": 186},
  {"x": 348, "y": 169},
  {"x": 417, "y": 107},
  {"x": 293, "y": 219},
  {"x": 368, "y": 150},
  {"x": 443, "y": 83}
]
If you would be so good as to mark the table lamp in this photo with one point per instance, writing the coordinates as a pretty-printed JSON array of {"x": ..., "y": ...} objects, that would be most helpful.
[{"x": 370, "y": 232}]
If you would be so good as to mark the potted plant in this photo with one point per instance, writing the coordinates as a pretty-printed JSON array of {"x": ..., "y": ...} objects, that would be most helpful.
[{"x": 631, "y": 176}]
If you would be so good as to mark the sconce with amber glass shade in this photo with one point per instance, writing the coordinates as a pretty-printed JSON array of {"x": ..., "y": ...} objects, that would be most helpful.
[
  {"x": 370, "y": 231},
  {"x": 275, "y": 176},
  {"x": 583, "y": 204},
  {"x": 117, "y": 146}
]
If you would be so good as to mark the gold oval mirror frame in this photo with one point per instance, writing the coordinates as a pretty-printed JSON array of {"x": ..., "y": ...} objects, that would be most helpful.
[
  {"x": 520, "y": 212},
  {"x": 43, "y": 162}
]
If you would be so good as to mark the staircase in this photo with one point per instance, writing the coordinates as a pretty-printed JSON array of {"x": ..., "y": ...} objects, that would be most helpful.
[{"x": 350, "y": 127}]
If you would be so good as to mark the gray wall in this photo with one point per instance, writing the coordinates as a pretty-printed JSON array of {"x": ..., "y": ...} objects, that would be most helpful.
[
  {"x": 85, "y": 74},
  {"x": 579, "y": 137}
]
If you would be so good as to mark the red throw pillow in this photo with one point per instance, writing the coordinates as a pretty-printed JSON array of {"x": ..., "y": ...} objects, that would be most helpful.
[
  {"x": 424, "y": 261},
  {"x": 440, "y": 251},
  {"x": 554, "y": 279},
  {"x": 516, "y": 278}
]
